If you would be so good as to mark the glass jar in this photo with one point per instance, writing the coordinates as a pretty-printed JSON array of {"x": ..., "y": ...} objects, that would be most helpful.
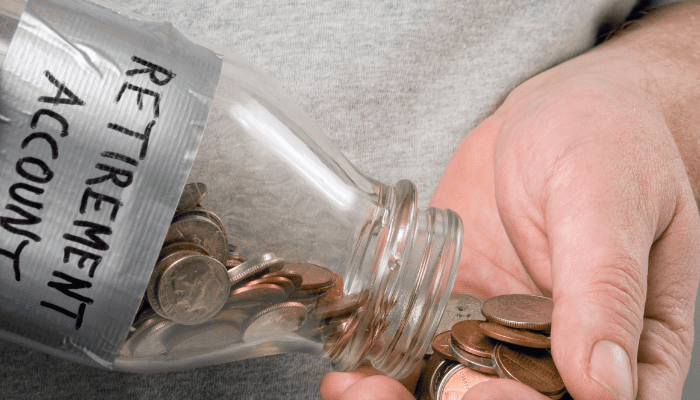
[{"x": 273, "y": 243}]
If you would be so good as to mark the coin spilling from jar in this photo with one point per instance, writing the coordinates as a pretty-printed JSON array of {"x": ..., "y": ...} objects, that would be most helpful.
[
  {"x": 203, "y": 295},
  {"x": 502, "y": 337}
]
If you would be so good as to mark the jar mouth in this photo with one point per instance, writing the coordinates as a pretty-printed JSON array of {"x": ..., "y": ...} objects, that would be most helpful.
[{"x": 413, "y": 266}]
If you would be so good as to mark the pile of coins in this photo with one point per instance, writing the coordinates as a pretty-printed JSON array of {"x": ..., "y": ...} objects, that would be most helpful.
[
  {"x": 503, "y": 337},
  {"x": 204, "y": 296}
]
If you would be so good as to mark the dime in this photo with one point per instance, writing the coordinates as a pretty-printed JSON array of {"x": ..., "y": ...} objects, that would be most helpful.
[
  {"x": 181, "y": 246},
  {"x": 190, "y": 289},
  {"x": 267, "y": 293},
  {"x": 533, "y": 367},
  {"x": 200, "y": 230},
  {"x": 253, "y": 268},
  {"x": 481, "y": 364},
  {"x": 280, "y": 318},
  {"x": 457, "y": 381},
  {"x": 147, "y": 339},
  {"x": 441, "y": 345},
  {"x": 524, "y": 311},
  {"x": 192, "y": 194},
  {"x": 219, "y": 332},
  {"x": 314, "y": 276},
  {"x": 467, "y": 336},
  {"x": 518, "y": 337}
]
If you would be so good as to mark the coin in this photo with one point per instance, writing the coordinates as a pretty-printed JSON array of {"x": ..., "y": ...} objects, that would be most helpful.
[
  {"x": 524, "y": 311},
  {"x": 181, "y": 246},
  {"x": 191, "y": 289},
  {"x": 295, "y": 278},
  {"x": 147, "y": 339},
  {"x": 221, "y": 331},
  {"x": 333, "y": 293},
  {"x": 441, "y": 345},
  {"x": 192, "y": 194},
  {"x": 459, "y": 307},
  {"x": 341, "y": 307},
  {"x": 314, "y": 276},
  {"x": 267, "y": 293},
  {"x": 467, "y": 335},
  {"x": 533, "y": 367},
  {"x": 280, "y": 318},
  {"x": 280, "y": 281},
  {"x": 518, "y": 337},
  {"x": 253, "y": 268},
  {"x": 457, "y": 381},
  {"x": 481, "y": 364},
  {"x": 200, "y": 230}
]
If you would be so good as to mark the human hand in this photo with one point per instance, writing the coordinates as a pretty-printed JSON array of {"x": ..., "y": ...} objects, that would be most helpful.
[{"x": 580, "y": 187}]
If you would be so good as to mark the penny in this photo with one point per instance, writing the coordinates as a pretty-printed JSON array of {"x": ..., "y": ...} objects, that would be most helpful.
[
  {"x": 344, "y": 306},
  {"x": 190, "y": 289},
  {"x": 522, "y": 311},
  {"x": 335, "y": 292},
  {"x": 280, "y": 281},
  {"x": 275, "y": 320},
  {"x": 234, "y": 259},
  {"x": 533, "y": 367},
  {"x": 518, "y": 337},
  {"x": 192, "y": 194},
  {"x": 295, "y": 278},
  {"x": 481, "y": 364},
  {"x": 460, "y": 306},
  {"x": 200, "y": 230},
  {"x": 314, "y": 276},
  {"x": 457, "y": 381},
  {"x": 253, "y": 268},
  {"x": 268, "y": 293},
  {"x": 441, "y": 345},
  {"x": 467, "y": 335}
]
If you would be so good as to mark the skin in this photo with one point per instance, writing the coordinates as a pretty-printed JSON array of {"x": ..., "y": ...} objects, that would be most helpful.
[{"x": 584, "y": 186}]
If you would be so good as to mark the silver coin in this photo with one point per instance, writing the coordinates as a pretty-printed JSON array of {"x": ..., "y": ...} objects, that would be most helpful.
[
  {"x": 200, "y": 230},
  {"x": 192, "y": 194},
  {"x": 284, "y": 317},
  {"x": 481, "y": 364},
  {"x": 202, "y": 212},
  {"x": 254, "y": 268},
  {"x": 223, "y": 330},
  {"x": 191, "y": 289},
  {"x": 148, "y": 338}
]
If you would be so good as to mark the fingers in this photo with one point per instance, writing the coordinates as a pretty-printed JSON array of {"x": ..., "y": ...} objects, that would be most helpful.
[
  {"x": 365, "y": 383},
  {"x": 591, "y": 201}
]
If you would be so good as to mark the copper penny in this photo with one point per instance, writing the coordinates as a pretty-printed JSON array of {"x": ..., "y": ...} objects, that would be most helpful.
[
  {"x": 481, "y": 364},
  {"x": 342, "y": 307},
  {"x": 515, "y": 336},
  {"x": 467, "y": 335},
  {"x": 280, "y": 281},
  {"x": 523, "y": 311},
  {"x": 441, "y": 345},
  {"x": 267, "y": 293},
  {"x": 335, "y": 292},
  {"x": 295, "y": 278},
  {"x": 314, "y": 276},
  {"x": 457, "y": 381},
  {"x": 192, "y": 194},
  {"x": 533, "y": 367}
]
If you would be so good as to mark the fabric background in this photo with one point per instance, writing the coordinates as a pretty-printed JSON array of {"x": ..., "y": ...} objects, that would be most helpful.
[{"x": 394, "y": 84}]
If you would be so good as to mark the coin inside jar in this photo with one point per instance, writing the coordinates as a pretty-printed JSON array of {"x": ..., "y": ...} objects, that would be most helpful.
[
  {"x": 315, "y": 277},
  {"x": 189, "y": 289},
  {"x": 200, "y": 230},
  {"x": 274, "y": 320},
  {"x": 192, "y": 194}
]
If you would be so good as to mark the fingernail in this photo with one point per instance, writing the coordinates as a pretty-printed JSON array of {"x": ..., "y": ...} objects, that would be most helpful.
[{"x": 610, "y": 366}]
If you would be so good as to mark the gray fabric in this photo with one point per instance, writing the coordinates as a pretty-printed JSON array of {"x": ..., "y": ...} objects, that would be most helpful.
[{"x": 395, "y": 84}]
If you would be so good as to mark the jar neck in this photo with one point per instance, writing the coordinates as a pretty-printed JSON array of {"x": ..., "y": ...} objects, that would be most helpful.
[{"x": 409, "y": 263}]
